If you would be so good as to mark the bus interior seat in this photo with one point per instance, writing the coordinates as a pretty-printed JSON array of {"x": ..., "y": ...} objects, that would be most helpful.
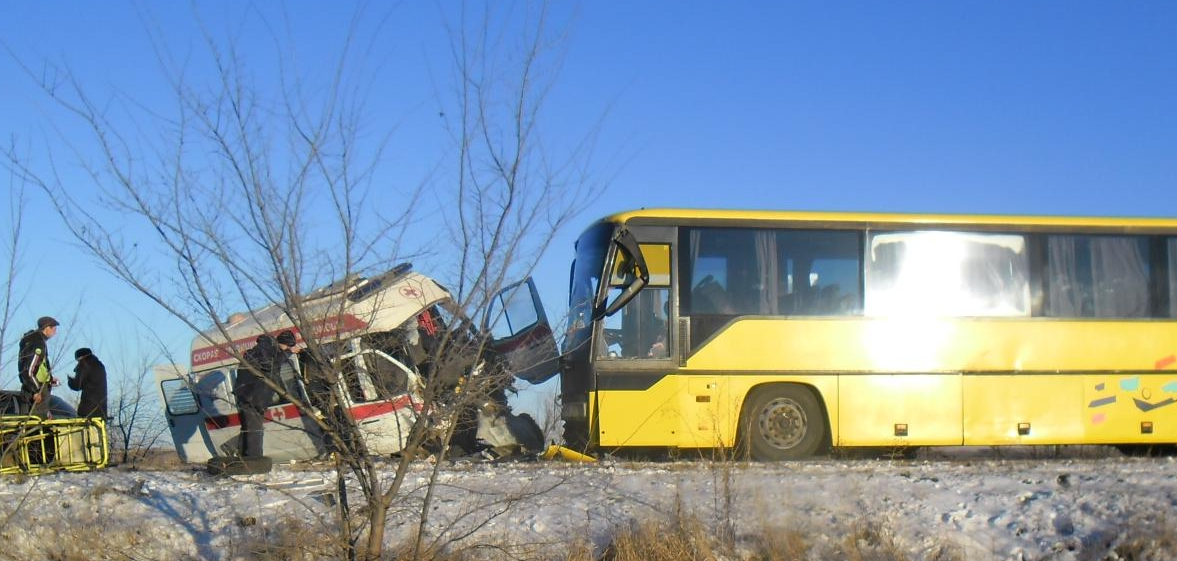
[{"x": 709, "y": 297}]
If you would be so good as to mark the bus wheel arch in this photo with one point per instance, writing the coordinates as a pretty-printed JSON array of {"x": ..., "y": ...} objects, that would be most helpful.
[{"x": 780, "y": 422}]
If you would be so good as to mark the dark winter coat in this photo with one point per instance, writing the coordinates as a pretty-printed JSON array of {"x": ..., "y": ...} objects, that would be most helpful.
[
  {"x": 33, "y": 353},
  {"x": 257, "y": 363},
  {"x": 90, "y": 377}
]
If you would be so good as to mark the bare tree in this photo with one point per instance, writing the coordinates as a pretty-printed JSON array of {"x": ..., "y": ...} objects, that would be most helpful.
[
  {"x": 13, "y": 245},
  {"x": 136, "y": 423},
  {"x": 254, "y": 196}
]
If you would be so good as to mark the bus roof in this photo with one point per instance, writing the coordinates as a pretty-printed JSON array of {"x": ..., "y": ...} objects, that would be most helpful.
[
  {"x": 687, "y": 216},
  {"x": 343, "y": 309}
]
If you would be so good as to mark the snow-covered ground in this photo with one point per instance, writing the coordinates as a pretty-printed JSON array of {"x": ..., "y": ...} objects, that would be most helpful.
[{"x": 969, "y": 505}]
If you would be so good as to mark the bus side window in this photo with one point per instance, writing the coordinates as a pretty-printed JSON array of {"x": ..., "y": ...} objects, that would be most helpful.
[
  {"x": 710, "y": 297},
  {"x": 748, "y": 271},
  {"x": 1098, "y": 276},
  {"x": 1171, "y": 244}
]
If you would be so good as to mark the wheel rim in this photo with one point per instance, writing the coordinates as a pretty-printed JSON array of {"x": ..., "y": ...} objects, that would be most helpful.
[{"x": 783, "y": 424}]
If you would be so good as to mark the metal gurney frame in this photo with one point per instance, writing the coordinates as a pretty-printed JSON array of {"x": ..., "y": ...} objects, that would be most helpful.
[{"x": 32, "y": 445}]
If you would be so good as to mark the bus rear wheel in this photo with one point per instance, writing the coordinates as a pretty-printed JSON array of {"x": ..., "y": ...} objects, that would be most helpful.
[{"x": 781, "y": 422}]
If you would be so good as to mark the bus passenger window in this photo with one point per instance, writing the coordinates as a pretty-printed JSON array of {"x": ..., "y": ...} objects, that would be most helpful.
[
  {"x": 710, "y": 297},
  {"x": 754, "y": 271},
  {"x": 940, "y": 273},
  {"x": 1097, "y": 276},
  {"x": 1172, "y": 243}
]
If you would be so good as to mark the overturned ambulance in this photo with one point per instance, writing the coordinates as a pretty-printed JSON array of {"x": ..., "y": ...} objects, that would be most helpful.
[{"x": 376, "y": 333}]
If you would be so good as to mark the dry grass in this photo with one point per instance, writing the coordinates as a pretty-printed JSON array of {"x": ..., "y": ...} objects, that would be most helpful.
[
  {"x": 676, "y": 538},
  {"x": 681, "y": 538},
  {"x": 155, "y": 459},
  {"x": 687, "y": 538},
  {"x": 287, "y": 539},
  {"x": 1147, "y": 539}
]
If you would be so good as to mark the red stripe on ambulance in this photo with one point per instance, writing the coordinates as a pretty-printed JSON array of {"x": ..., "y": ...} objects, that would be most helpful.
[{"x": 290, "y": 411}]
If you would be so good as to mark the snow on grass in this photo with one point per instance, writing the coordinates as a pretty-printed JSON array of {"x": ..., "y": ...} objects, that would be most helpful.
[{"x": 973, "y": 508}]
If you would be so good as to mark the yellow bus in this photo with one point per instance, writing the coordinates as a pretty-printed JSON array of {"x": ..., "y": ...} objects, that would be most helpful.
[{"x": 782, "y": 334}]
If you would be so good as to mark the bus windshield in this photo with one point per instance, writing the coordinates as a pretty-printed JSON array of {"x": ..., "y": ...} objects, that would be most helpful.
[{"x": 585, "y": 282}]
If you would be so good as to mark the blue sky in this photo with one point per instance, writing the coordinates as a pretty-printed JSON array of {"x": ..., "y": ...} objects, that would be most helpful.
[{"x": 1051, "y": 107}]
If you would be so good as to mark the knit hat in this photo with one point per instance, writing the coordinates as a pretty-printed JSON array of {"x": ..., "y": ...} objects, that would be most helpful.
[
  {"x": 285, "y": 338},
  {"x": 82, "y": 352}
]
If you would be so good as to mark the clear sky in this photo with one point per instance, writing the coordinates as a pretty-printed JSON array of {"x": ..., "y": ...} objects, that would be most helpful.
[{"x": 1046, "y": 107}]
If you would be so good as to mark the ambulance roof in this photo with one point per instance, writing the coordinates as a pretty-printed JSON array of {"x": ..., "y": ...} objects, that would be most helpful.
[{"x": 342, "y": 309}]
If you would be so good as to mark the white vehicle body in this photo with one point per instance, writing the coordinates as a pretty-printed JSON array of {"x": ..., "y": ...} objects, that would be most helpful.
[{"x": 381, "y": 388}]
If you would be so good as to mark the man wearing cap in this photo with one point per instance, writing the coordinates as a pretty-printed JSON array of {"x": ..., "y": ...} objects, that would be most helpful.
[
  {"x": 90, "y": 379},
  {"x": 261, "y": 362},
  {"x": 36, "y": 374}
]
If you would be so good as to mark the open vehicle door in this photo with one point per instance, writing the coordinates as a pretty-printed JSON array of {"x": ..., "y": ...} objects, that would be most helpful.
[
  {"x": 204, "y": 422},
  {"x": 182, "y": 409},
  {"x": 520, "y": 332}
]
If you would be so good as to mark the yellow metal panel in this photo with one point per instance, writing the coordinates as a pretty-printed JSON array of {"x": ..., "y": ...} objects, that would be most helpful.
[
  {"x": 921, "y": 345},
  {"x": 1089, "y": 409},
  {"x": 691, "y": 411},
  {"x": 1016, "y": 371},
  {"x": 950, "y": 381},
  {"x": 657, "y": 258},
  {"x": 701, "y": 408},
  {"x": 653, "y": 417},
  {"x": 658, "y": 262},
  {"x": 928, "y": 406},
  {"x": 1048, "y": 406},
  {"x": 1115, "y": 406}
]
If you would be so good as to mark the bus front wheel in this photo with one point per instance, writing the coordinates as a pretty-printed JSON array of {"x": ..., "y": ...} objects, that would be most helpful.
[{"x": 781, "y": 422}]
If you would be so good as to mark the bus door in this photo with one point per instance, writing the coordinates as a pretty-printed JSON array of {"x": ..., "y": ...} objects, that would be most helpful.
[
  {"x": 520, "y": 332},
  {"x": 635, "y": 351}
]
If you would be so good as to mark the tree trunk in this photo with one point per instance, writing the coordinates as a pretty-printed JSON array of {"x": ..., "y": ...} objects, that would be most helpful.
[{"x": 377, "y": 516}]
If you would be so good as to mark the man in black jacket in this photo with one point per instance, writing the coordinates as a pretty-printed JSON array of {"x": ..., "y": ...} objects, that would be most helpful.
[
  {"x": 89, "y": 378},
  {"x": 251, "y": 390},
  {"x": 36, "y": 374},
  {"x": 253, "y": 395}
]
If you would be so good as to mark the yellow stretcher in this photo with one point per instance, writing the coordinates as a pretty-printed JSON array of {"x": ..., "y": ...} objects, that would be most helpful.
[{"x": 32, "y": 445}]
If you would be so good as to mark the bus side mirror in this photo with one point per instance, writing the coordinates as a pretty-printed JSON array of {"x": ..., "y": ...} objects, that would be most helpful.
[{"x": 629, "y": 271}]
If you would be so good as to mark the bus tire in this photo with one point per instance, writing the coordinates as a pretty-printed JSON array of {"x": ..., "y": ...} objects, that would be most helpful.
[{"x": 781, "y": 422}]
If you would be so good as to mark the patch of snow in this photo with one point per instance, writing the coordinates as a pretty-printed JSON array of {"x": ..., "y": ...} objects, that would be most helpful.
[{"x": 984, "y": 508}]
